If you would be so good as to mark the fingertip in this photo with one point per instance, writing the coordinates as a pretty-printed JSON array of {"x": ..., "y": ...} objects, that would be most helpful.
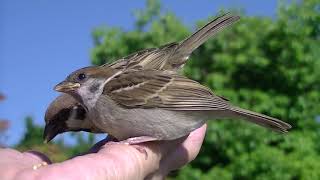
[
  {"x": 194, "y": 142},
  {"x": 184, "y": 153},
  {"x": 199, "y": 133},
  {"x": 123, "y": 159},
  {"x": 131, "y": 160}
]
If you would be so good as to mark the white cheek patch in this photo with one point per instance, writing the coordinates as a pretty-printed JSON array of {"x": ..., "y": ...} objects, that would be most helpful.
[{"x": 89, "y": 99}]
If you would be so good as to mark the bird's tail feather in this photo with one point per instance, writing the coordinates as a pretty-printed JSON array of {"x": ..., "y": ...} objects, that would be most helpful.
[
  {"x": 262, "y": 120},
  {"x": 191, "y": 43}
]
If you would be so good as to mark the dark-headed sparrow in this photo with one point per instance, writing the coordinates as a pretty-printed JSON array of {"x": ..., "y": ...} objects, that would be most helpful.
[
  {"x": 66, "y": 114},
  {"x": 141, "y": 98}
]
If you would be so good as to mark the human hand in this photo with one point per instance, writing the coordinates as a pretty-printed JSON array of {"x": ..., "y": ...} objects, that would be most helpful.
[{"x": 106, "y": 161}]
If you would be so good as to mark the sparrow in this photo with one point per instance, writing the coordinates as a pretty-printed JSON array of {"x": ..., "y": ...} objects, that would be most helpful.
[
  {"x": 142, "y": 98},
  {"x": 140, "y": 105},
  {"x": 65, "y": 114},
  {"x": 153, "y": 58}
]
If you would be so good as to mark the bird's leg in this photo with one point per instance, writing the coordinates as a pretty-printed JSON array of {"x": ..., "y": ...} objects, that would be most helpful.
[
  {"x": 108, "y": 140},
  {"x": 112, "y": 138},
  {"x": 136, "y": 140}
]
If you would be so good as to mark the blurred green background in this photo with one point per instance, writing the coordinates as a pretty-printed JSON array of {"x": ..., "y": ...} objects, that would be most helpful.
[{"x": 268, "y": 65}]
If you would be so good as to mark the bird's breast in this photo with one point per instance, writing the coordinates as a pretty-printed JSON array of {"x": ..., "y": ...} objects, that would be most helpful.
[{"x": 123, "y": 123}]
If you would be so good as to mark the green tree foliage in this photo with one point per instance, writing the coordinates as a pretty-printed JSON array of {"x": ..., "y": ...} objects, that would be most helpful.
[
  {"x": 266, "y": 65},
  {"x": 33, "y": 134}
]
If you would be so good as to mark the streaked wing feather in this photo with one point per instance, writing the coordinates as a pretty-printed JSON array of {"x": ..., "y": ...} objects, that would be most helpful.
[
  {"x": 173, "y": 56},
  {"x": 152, "y": 58},
  {"x": 162, "y": 89}
]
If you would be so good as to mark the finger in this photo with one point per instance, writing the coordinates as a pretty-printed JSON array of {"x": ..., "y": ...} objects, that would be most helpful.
[
  {"x": 170, "y": 154},
  {"x": 13, "y": 163},
  {"x": 183, "y": 154},
  {"x": 117, "y": 161},
  {"x": 191, "y": 146},
  {"x": 37, "y": 156},
  {"x": 27, "y": 157},
  {"x": 140, "y": 164}
]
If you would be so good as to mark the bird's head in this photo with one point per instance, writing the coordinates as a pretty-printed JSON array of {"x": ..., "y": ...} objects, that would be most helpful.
[
  {"x": 86, "y": 84},
  {"x": 65, "y": 114}
]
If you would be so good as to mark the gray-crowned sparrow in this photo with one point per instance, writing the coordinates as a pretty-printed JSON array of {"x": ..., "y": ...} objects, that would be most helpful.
[{"x": 142, "y": 98}]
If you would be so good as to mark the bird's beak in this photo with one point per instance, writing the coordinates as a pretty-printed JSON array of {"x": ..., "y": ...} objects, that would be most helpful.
[
  {"x": 65, "y": 86},
  {"x": 50, "y": 131}
]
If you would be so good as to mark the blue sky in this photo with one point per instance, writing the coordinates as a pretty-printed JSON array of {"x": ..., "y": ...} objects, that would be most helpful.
[{"x": 43, "y": 41}]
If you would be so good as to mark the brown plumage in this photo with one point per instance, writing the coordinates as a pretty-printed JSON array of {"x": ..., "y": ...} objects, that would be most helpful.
[
  {"x": 170, "y": 91},
  {"x": 174, "y": 55},
  {"x": 153, "y": 58},
  {"x": 154, "y": 104},
  {"x": 141, "y": 95}
]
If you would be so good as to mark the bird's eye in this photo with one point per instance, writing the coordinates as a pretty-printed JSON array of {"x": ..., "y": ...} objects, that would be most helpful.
[{"x": 81, "y": 76}]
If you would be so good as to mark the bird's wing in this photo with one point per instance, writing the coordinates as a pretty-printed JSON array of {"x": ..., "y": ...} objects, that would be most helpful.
[
  {"x": 152, "y": 58},
  {"x": 173, "y": 56},
  {"x": 161, "y": 89}
]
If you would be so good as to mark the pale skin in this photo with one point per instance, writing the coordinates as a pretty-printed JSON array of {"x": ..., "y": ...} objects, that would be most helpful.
[{"x": 106, "y": 161}]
